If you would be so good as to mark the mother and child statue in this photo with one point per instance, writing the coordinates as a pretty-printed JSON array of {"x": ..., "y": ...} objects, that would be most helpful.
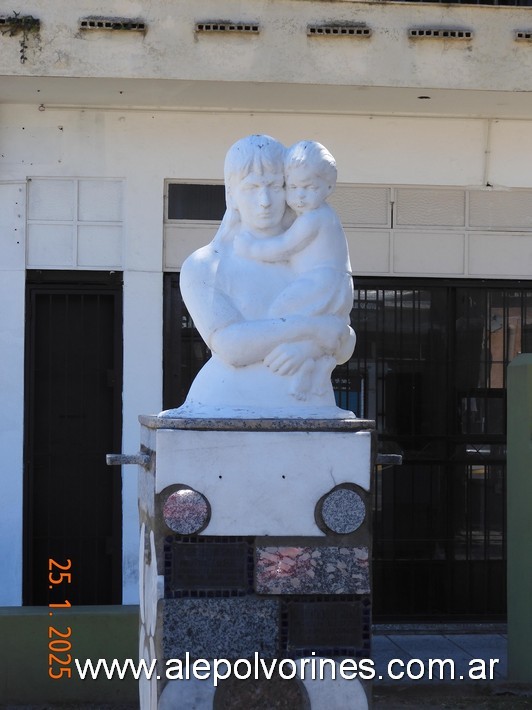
[{"x": 272, "y": 293}]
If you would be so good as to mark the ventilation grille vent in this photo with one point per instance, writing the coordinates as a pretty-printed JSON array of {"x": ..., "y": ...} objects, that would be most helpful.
[
  {"x": 439, "y": 33},
  {"x": 338, "y": 31},
  {"x": 523, "y": 35},
  {"x": 237, "y": 27},
  {"x": 112, "y": 23},
  {"x": 20, "y": 21}
]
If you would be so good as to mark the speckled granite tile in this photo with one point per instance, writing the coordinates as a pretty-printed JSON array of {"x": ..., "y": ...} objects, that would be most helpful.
[
  {"x": 343, "y": 511},
  {"x": 219, "y": 627},
  {"x": 186, "y": 511},
  {"x": 312, "y": 570}
]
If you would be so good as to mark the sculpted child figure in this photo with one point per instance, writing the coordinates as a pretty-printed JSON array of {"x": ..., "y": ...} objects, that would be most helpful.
[
  {"x": 270, "y": 321},
  {"x": 316, "y": 248}
]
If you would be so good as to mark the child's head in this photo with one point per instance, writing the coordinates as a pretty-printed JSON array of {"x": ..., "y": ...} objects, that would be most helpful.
[{"x": 310, "y": 175}]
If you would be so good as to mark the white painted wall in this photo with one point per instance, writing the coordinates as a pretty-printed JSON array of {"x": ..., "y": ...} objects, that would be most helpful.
[
  {"x": 143, "y": 295},
  {"x": 282, "y": 51},
  {"x": 12, "y": 287},
  {"x": 139, "y": 149},
  {"x": 146, "y": 145}
]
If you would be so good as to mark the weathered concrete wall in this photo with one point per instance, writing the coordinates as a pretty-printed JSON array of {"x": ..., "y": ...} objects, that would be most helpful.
[{"x": 281, "y": 52}]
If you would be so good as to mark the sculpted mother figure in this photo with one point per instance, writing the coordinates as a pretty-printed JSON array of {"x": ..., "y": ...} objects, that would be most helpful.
[{"x": 257, "y": 358}]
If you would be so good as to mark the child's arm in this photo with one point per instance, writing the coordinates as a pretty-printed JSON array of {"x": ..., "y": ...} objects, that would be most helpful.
[{"x": 282, "y": 247}]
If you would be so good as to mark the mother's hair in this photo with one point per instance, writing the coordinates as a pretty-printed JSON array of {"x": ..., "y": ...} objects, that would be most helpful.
[{"x": 256, "y": 153}]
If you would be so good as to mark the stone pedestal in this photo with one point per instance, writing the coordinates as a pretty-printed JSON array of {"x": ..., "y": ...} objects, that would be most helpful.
[{"x": 255, "y": 545}]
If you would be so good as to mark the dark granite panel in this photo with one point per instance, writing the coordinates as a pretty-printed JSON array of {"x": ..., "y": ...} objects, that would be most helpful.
[
  {"x": 322, "y": 625},
  {"x": 210, "y": 566},
  {"x": 220, "y": 628}
]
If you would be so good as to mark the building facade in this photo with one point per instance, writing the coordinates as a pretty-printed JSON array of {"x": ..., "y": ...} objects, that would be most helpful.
[{"x": 114, "y": 123}]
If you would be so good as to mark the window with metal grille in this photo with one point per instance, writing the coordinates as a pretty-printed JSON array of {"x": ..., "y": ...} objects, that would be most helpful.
[{"x": 433, "y": 359}]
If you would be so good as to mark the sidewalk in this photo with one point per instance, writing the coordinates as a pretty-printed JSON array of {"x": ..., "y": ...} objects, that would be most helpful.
[{"x": 462, "y": 648}]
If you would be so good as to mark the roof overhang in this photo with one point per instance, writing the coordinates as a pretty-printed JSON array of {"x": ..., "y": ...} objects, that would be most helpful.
[{"x": 168, "y": 94}]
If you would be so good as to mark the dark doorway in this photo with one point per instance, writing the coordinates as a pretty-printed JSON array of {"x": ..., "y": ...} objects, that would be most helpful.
[
  {"x": 430, "y": 368},
  {"x": 73, "y": 418},
  {"x": 184, "y": 351}
]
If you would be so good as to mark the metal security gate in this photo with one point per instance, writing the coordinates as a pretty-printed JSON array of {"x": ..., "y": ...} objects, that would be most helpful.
[
  {"x": 430, "y": 368},
  {"x": 73, "y": 418},
  {"x": 432, "y": 358}
]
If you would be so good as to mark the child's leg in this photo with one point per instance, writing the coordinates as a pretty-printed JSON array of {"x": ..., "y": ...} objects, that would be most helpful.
[
  {"x": 321, "y": 379},
  {"x": 302, "y": 380},
  {"x": 316, "y": 292},
  {"x": 297, "y": 298}
]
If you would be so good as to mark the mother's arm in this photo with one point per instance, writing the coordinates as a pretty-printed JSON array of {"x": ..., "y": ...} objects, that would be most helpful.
[
  {"x": 246, "y": 342},
  {"x": 235, "y": 340}
]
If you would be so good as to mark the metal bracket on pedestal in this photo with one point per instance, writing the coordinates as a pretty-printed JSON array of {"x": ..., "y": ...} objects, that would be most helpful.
[
  {"x": 125, "y": 459},
  {"x": 389, "y": 459}
]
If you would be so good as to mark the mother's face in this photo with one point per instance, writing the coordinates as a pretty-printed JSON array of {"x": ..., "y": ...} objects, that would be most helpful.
[{"x": 260, "y": 200}]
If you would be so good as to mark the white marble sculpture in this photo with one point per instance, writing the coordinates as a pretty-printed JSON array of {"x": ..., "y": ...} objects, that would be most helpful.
[{"x": 272, "y": 293}]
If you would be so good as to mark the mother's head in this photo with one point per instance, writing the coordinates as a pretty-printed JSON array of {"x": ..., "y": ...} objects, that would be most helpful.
[{"x": 254, "y": 186}]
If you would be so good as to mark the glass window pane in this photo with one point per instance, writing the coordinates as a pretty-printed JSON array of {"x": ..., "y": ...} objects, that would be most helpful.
[{"x": 193, "y": 201}]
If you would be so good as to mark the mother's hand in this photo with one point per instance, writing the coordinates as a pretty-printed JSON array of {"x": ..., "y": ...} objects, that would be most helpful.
[{"x": 287, "y": 358}]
